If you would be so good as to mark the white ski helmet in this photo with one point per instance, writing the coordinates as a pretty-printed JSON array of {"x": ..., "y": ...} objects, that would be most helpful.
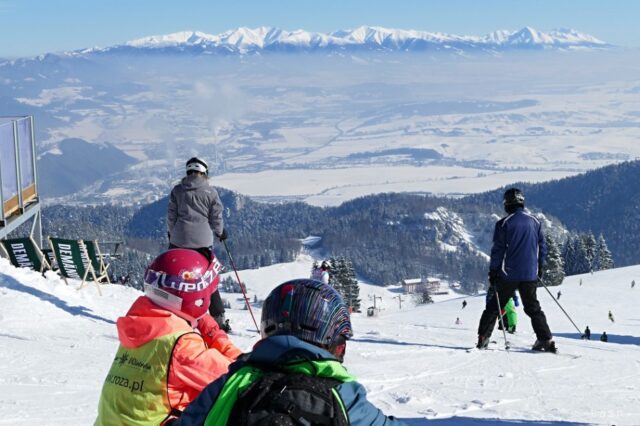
[{"x": 198, "y": 165}]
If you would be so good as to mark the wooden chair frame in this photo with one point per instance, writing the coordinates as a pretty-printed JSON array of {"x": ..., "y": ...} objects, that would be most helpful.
[{"x": 89, "y": 271}]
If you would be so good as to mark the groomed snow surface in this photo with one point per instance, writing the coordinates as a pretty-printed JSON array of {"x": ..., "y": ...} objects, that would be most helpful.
[{"x": 58, "y": 343}]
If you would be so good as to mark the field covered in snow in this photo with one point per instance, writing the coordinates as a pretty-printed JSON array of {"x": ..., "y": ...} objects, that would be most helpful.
[{"x": 58, "y": 343}]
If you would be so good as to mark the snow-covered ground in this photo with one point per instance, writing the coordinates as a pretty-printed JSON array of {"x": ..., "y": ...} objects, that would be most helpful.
[{"x": 58, "y": 343}]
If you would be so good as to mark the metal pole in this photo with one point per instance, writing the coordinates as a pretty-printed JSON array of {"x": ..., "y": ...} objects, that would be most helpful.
[
  {"x": 2, "y": 190},
  {"x": 244, "y": 293},
  {"x": 399, "y": 297},
  {"x": 35, "y": 180},
  {"x": 18, "y": 168},
  {"x": 504, "y": 333},
  {"x": 560, "y": 306}
]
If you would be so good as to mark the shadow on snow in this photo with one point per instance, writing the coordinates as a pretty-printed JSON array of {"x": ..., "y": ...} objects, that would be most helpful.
[
  {"x": 13, "y": 284},
  {"x": 396, "y": 342},
  {"x": 613, "y": 338},
  {"x": 469, "y": 421}
]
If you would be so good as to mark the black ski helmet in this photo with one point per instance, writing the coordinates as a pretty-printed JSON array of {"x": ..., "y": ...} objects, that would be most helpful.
[
  {"x": 198, "y": 165},
  {"x": 513, "y": 197}
]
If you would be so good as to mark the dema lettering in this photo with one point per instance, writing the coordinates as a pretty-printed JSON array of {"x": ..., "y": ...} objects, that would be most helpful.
[{"x": 21, "y": 255}]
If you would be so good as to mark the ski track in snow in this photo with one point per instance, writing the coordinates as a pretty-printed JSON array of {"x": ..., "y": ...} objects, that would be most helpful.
[{"x": 58, "y": 343}]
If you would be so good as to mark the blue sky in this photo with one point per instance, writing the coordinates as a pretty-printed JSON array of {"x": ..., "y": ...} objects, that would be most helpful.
[{"x": 30, "y": 27}]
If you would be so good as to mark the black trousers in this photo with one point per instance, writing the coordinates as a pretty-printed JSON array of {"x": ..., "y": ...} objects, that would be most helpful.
[
  {"x": 505, "y": 291},
  {"x": 216, "y": 307}
]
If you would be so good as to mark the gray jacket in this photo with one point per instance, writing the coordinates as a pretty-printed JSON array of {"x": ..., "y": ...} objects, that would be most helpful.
[{"x": 195, "y": 210}]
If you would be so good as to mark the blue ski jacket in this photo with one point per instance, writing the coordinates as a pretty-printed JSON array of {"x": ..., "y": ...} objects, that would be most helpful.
[
  {"x": 282, "y": 350},
  {"x": 518, "y": 247}
]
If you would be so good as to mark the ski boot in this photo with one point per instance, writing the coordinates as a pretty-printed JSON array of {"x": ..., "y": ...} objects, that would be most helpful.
[
  {"x": 511, "y": 329},
  {"x": 483, "y": 342},
  {"x": 545, "y": 346}
]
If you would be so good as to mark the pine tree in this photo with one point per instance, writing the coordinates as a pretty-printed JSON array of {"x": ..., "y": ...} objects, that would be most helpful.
[
  {"x": 352, "y": 289},
  {"x": 343, "y": 279},
  {"x": 589, "y": 242},
  {"x": 582, "y": 261},
  {"x": 569, "y": 257},
  {"x": 554, "y": 266},
  {"x": 335, "y": 274},
  {"x": 603, "y": 257}
]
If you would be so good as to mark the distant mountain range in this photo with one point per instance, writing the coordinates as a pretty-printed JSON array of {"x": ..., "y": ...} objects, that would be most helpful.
[{"x": 269, "y": 39}]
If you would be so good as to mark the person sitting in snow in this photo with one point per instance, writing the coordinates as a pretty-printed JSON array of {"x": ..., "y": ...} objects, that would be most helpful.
[
  {"x": 294, "y": 375},
  {"x": 170, "y": 347},
  {"x": 604, "y": 337},
  {"x": 322, "y": 273}
]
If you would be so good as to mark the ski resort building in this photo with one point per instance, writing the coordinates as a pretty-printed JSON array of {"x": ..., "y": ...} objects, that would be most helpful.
[{"x": 421, "y": 285}]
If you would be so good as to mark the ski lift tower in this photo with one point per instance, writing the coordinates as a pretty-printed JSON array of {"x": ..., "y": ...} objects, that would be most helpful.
[{"x": 19, "y": 200}]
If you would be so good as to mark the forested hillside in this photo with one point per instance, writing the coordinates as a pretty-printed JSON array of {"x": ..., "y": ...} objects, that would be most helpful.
[
  {"x": 603, "y": 201},
  {"x": 387, "y": 236}
]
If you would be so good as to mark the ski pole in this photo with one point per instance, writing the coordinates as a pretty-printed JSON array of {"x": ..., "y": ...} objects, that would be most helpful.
[
  {"x": 560, "y": 306},
  {"x": 244, "y": 293},
  {"x": 504, "y": 333}
]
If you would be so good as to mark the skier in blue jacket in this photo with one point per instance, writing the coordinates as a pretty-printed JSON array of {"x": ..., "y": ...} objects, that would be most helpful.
[
  {"x": 517, "y": 260},
  {"x": 305, "y": 326}
]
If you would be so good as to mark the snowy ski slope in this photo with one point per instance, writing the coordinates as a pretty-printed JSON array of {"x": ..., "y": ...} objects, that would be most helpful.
[{"x": 57, "y": 344}]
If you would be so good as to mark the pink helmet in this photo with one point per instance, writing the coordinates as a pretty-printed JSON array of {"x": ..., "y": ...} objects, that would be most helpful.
[{"x": 182, "y": 281}]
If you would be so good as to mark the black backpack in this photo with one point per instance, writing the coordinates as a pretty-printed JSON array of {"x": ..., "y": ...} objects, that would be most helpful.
[{"x": 288, "y": 399}]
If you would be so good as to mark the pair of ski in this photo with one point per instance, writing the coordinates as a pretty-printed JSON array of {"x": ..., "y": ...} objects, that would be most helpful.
[{"x": 509, "y": 348}]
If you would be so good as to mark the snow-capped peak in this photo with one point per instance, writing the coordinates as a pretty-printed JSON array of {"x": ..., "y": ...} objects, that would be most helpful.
[
  {"x": 174, "y": 39},
  {"x": 252, "y": 40}
]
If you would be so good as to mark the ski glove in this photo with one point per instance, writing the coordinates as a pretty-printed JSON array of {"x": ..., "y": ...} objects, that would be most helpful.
[
  {"x": 210, "y": 330},
  {"x": 223, "y": 235}
]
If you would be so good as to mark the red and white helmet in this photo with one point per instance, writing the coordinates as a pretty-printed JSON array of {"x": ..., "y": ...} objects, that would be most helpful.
[{"x": 182, "y": 281}]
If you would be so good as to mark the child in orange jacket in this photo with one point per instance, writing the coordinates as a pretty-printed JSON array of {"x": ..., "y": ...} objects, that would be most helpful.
[{"x": 170, "y": 347}]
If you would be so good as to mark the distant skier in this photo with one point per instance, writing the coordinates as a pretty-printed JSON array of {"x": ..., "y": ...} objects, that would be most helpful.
[
  {"x": 633, "y": 283},
  {"x": 458, "y": 322},
  {"x": 611, "y": 317},
  {"x": 558, "y": 296},
  {"x": 464, "y": 304},
  {"x": 580, "y": 281},
  {"x": 321, "y": 273},
  {"x": 517, "y": 258},
  {"x": 587, "y": 333},
  {"x": 604, "y": 337}
]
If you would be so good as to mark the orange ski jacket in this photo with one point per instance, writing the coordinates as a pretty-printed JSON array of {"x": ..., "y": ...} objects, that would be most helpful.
[{"x": 196, "y": 359}]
